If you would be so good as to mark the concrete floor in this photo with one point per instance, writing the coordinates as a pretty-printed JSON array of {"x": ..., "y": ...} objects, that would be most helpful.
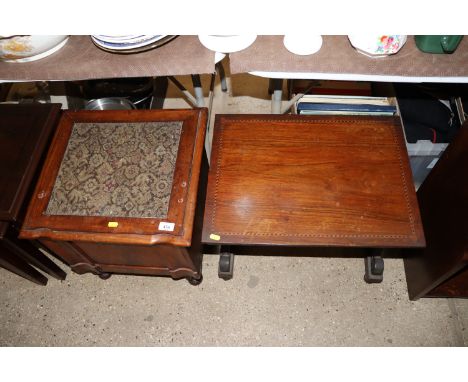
[{"x": 271, "y": 301}]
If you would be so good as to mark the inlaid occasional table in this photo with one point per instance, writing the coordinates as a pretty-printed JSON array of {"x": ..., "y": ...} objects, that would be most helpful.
[
  {"x": 283, "y": 184},
  {"x": 123, "y": 192}
]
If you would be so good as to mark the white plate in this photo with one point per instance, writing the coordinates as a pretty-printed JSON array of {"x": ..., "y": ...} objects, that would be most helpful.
[
  {"x": 127, "y": 46},
  {"x": 227, "y": 44},
  {"x": 159, "y": 42},
  {"x": 303, "y": 44},
  {"x": 117, "y": 39}
]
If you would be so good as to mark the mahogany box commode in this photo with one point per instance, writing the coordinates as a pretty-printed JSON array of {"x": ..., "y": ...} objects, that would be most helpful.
[{"x": 123, "y": 192}]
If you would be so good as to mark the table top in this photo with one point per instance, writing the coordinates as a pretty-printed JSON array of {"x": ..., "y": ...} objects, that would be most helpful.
[
  {"x": 305, "y": 181},
  {"x": 80, "y": 59},
  {"x": 338, "y": 60}
]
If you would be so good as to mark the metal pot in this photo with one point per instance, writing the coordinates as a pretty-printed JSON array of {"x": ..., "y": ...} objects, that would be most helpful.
[
  {"x": 138, "y": 90},
  {"x": 111, "y": 103}
]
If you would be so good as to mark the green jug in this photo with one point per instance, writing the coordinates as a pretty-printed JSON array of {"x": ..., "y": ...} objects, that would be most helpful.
[{"x": 437, "y": 44}]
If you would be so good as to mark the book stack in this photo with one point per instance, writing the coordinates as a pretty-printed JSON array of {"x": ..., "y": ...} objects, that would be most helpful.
[{"x": 340, "y": 98}]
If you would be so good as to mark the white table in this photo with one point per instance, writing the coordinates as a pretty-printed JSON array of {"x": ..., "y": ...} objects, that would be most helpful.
[
  {"x": 338, "y": 60},
  {"x": 80, "y": 60}
]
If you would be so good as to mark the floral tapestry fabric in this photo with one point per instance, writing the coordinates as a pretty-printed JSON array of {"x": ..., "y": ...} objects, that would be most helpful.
[{"x": 117, "y": 169}]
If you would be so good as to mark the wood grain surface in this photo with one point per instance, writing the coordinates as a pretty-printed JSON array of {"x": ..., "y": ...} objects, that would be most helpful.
[{"x": 300, "y": 180}]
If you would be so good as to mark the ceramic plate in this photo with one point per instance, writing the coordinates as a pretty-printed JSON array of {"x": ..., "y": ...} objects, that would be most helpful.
[
  {"x": 155, "y": 44},
  {"x": 227, "y": 44},
  {"x": 118, "y": 39},
  {"x": 126, "y": 46},
  {"x": 303, "y": 44},
  {"x": 377, "y": 45}
]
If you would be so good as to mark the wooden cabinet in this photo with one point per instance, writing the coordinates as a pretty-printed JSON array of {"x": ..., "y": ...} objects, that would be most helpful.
[
  {"x": 441, "y": 269},
  {"x": 123, "y": 192},
  {"x": 25, "y": 133}
]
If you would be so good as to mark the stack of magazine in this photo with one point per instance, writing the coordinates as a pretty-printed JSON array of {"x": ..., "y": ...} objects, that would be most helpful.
[{"x": 342, "y": 98}]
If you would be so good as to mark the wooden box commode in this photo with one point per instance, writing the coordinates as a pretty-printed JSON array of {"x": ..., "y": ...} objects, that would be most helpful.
[{"x": 123, "y": 192}]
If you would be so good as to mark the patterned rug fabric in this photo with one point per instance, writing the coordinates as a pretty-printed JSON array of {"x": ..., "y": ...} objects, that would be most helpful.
[{"x": 117, "y": 169}]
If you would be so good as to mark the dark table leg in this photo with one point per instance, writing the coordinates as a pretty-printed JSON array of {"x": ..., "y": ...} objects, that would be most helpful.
[
  {"x": 198, "y": 90},
  {"x": 30, "y": 254},
  {"x": 226, "y": 265},
  {"x": 20, "y": 267},
  {"x": 160, "y": 85},
  {"x": 222, "y": 76},
  {"x": 374, "y": 266},
  {"x": 226, "y": 259}
]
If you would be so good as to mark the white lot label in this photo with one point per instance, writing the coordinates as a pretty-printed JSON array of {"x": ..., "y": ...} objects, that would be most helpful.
[{"x": 164, "y": 226}]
